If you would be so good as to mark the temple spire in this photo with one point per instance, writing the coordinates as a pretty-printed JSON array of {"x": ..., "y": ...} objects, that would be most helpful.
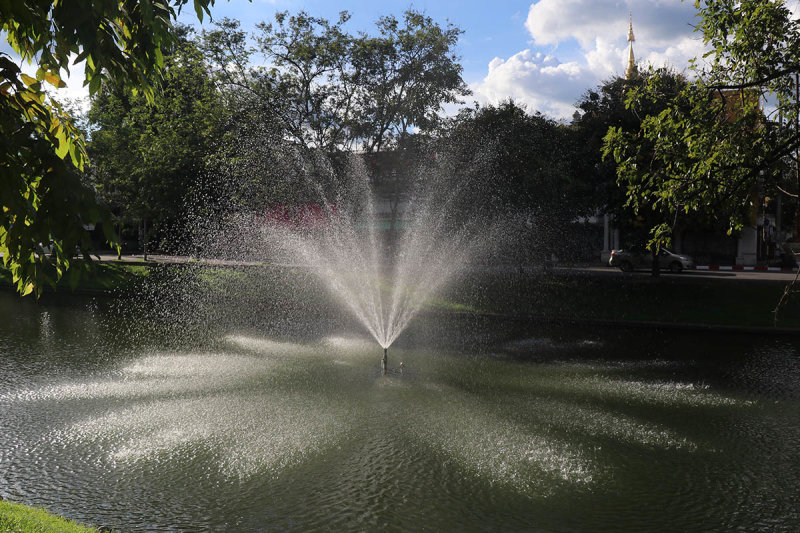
[{"x": 632, "y": 71}]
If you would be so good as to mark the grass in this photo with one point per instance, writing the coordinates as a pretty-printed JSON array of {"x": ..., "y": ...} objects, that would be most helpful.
[
  {"x": 558, "y": 294},
  {"x": 18, "y": 518},
  {"x": 637, "y": 298},
  {"x": 104, "y": 277}
]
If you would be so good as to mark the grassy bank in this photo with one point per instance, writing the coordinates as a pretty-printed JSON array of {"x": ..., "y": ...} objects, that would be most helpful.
[
  {"x": 677, "y": 299},
  {"x": 558, "y": 294},
  {"x": 17, "y": 518},
  {"x": 102, "y": 277}
]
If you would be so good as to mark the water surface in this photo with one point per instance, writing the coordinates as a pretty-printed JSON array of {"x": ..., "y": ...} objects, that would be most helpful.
[{"x": 492, "y": 426}]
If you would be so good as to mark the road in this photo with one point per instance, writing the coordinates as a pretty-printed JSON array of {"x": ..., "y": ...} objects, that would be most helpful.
[{"x": 704, "y": 274}]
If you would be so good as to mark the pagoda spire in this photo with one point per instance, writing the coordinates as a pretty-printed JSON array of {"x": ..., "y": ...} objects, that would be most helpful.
[{"x": 632, "y": 71}]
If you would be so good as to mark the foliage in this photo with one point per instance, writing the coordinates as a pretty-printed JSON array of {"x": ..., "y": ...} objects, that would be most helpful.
[
  {"x": 712, "y": 146},
  {"x": 332, "y": 91},
  {"x": 404, "y": 76},
  {"x": 518, "y": 167},
  {"x": 524, "y": 160},
  {"x": 42, "y": 196},
  {"x": 600, "y": 109},
  {"x": 148, "y": 155}
]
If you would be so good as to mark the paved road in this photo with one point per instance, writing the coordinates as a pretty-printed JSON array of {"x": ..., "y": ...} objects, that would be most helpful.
[{"x": 705, "y": 274}]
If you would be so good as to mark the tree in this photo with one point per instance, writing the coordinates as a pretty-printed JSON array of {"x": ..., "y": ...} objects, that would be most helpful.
[
  {"x": 511, "y": 163},
  {"x": 404, "y": 76},
  {"x": 715, "y": 143},
  {"x": 149, "y": 155},
  {"x": 42, "y": 153},
  {"x": 600, "y": 109},
  {"x": 333, "y": 91},
  {"x": 527, "y": 158}
]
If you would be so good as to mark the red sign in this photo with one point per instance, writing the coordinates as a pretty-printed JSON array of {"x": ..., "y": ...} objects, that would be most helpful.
[{"x": 299, "y": 216}]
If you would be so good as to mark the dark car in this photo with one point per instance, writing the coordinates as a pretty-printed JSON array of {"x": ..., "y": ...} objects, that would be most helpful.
[{"x": 640, "y": 258}]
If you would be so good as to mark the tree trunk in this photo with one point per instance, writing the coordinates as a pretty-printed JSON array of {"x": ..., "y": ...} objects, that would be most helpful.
[
  {"x": 656, "y": 271},
  {"x": 144, "y": 237},
  {"x": 119, "y": 247}
]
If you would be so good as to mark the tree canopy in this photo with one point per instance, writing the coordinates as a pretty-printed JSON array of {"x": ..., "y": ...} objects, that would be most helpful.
[
  {"x": 148, "y": 155},
  {"x": 726, "y": 133},
  {"x": 331, "y": 90},
  {"x": 42, "y": 153}
]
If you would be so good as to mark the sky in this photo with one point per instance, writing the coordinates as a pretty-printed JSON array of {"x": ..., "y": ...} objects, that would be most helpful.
[{"x": 543, "y": 54}]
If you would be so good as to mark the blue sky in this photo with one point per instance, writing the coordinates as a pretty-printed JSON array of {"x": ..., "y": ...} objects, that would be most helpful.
[
  {"x": 491, "y": 31},
  {"x": 542, "y": 53}
]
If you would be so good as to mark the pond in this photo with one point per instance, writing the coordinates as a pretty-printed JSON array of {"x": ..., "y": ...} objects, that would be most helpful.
[{"x": 493, "y": 425}]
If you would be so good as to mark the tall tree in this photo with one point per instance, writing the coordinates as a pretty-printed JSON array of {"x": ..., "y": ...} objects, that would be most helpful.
[
  {"x": 404, "y": 76},
  {"x": 716, "y": 142},
  {"x": 510, "y": 163},
  {"x": 42, "y": 153},
  {"x": 149, "y": 155},
  {"x": 334, "y": 91},
  {"x": 601, "y": 108}
]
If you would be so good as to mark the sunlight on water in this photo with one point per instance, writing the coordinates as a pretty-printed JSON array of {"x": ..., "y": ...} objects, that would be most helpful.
[
  {"x": 349, "y": 344},
  {"x": 260, "y": 413},
  {"x": 158, "y": 375},
  {"x": 489, "y": 444},
  {"x": 267, "y": 346},
  {"x": 602, "y": 423},
  {"x": 672, "y": 394},
  {"x": 245, "y": 435}
]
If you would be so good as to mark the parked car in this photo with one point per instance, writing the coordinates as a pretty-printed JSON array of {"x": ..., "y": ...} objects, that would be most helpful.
[{"x": 637, "y": 257}]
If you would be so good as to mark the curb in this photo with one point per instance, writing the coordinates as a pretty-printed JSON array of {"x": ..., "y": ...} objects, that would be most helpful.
[{"x": 745, "y": 268}]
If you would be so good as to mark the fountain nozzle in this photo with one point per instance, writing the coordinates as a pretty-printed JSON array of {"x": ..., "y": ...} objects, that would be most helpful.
[{"x": 383, "y": 362}]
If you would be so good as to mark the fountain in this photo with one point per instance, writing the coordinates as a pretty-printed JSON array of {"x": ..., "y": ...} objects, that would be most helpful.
[
  {"x": 228, "y": 407},
  {"x": 336, "y": 236}
]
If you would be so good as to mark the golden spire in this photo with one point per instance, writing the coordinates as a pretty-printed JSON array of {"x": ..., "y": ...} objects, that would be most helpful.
[{"x": 632, "y": 71}]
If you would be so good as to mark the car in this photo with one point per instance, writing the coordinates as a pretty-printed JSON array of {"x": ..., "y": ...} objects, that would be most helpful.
[{"x": 637, "y": 257}]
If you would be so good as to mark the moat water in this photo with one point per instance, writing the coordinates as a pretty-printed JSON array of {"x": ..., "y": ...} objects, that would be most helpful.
[{"x": 492, "y": 426}]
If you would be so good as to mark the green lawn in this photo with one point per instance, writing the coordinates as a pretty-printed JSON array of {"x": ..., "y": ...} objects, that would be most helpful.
[
  {"x": 102, "y": 277},
  {"x": 671, "y": 299},
  {"x": 559, "y": 294},
  {"x": 17, "y": 518}
]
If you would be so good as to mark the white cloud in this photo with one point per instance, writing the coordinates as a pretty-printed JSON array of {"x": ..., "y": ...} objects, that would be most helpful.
[
  {"x": 540, "y": 81},
  {"x": 662, "y": 21},
  {"x": 593, "y": 34}
]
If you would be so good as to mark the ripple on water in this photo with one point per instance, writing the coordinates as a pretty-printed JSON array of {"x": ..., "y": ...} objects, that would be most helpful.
[
  {"x": 661, "y": 393},
  {"x": 593, "y": 422},
  {"x": 495, "y": 448},
  {"x": 158, "y": 375},
  {"x": 246, "y": 435}
]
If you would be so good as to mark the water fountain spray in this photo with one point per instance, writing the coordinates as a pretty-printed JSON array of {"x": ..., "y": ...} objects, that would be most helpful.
[{"x": 346, "y": 251}]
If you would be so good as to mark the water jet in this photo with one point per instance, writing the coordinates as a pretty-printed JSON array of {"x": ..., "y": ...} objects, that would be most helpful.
[{"x": 347, "y": 248}]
